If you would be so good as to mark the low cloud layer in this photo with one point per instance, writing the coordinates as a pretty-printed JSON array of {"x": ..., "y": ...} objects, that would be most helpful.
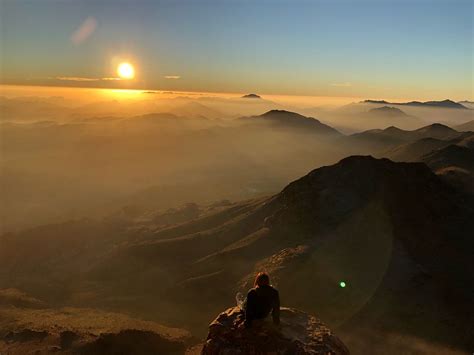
[{"x": 75, "y": 78}]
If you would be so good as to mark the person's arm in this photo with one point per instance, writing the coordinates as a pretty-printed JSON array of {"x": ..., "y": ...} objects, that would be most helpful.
[
  {"x": 276, "y": 309},
  {"x": 249, "y": 308}
]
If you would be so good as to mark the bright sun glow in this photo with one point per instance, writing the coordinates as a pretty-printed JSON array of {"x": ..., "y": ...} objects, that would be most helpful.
[{"x": 126, "y": 71}]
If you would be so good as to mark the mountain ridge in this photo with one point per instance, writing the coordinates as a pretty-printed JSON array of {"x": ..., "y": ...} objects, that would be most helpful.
[
  {"x": 388, "y": 110},
  {"x": 443, "y": 103},
  {"x": 292, "y": 120}
]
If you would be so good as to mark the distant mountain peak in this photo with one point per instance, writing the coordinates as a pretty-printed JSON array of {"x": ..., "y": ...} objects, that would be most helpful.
[
  {"x": 251, "y": 96},
  {"x": 439, "y": 125},
  {"x": 375, "y": 102},
  {"x": 280, "y": 113},
  {"x": 293, "y": 120},
  {"x": 436, "y": 127},
  {"x": 387, "y": 110},
  {"x": 393, "y": 129},
  {"x": 447, "y": 103}
]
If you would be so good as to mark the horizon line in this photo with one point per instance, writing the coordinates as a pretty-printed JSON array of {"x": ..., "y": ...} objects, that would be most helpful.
[{"x": 144, "y": 90}]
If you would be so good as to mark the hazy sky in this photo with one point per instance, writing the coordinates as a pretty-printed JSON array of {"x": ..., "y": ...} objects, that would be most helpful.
[{"x": 420, "y": 49}]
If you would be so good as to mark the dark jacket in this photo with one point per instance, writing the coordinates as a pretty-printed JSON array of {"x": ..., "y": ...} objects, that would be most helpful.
[{"x": 260, "y": 302}]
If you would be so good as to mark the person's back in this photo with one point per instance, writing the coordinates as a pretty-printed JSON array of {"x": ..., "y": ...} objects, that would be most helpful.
[{"x": 262, "y": 300}]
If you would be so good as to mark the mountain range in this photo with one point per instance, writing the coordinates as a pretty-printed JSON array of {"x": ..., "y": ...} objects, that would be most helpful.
[
  {"x": 379, "y": 140},
  {"x": 387, "y": 110},
  {"x": 395, "y": 233},
  {"x": 444, "y": 103}
]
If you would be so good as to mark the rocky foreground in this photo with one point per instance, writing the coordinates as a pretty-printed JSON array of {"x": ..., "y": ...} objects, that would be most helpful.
[
  {"x": 85, "y": 331},
  {"x": 38, "y": 330},
  {"x": 299, "y": 334}
]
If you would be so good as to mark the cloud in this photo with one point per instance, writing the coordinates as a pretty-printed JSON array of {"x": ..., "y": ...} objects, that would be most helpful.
[
  {"x": 75, "y": 78},
  {"x": 342, "y": 85},
  {"x": 84, "y": 31},
  {"x": 172, "y": 77}
]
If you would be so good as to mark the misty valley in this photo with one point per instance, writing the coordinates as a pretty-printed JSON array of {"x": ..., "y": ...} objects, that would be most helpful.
[{"x": 131, "y": 221}]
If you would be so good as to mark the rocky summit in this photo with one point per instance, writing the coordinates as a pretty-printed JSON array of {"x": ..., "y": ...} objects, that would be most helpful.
[{"x": 298, "y": 334}]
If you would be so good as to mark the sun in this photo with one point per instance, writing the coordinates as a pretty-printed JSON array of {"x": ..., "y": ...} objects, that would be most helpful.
[{"x": 126, "y": 71}]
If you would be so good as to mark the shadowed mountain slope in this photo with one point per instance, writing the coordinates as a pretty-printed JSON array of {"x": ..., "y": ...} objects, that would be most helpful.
[
  {"x": 451, "y": 155},
  {"x": 467, "y": 141},
  {"x": 413, "y": 151},
  {"x": 378, "y": 140},
  {"x": 398, "y": 236}
]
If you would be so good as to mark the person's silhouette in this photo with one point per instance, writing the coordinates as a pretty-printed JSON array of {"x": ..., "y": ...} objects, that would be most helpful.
[{"x": 262, "y": 300}]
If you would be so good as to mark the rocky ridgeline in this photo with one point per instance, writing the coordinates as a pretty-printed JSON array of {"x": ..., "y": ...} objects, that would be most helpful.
[{"x": 299, "y": 334}]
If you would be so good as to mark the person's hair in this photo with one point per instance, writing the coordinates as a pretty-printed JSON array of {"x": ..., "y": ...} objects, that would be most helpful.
[{"x": 262, "y": 279}]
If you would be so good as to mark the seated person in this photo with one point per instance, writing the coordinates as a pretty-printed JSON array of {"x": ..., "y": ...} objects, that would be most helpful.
[{"x": 262, "y": 300}]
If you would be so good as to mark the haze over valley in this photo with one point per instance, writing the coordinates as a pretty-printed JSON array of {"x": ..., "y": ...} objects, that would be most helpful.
[
  {"x": 136, "y": 148},
  {"x": 173, "y": 172},
  {"x": 99, "y": 204}
]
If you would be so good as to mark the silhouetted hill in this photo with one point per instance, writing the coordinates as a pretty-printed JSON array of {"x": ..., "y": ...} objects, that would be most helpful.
[
  {"x": 451, "y": 155},
  {"x": 466, "y": 141},
  {"x": 376, "y": 115},
  {"x": 281, "y": 119},
  {"x": 387, "y": 110},
  {"x": 381, "y": 140},
  {"x": 454, "y": 164},
  {"x": 383, "y": 102},
  {"x": 451, "y": 159},
  {"x": 378, "y": 140},
  {"x": 444, "y": 103},
  {"x": 358, "y": 115},
  {"x": 435, "y": 130},
  {"x": 251, "y": 96}
]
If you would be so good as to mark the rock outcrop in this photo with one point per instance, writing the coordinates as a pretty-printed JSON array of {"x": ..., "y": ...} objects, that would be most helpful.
[
  {"x": 85, "y": 331},
  {"x": 298, "y": 334}
]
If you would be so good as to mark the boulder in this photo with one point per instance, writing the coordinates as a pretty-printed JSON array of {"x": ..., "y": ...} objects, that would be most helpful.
[{"x": 298, "y": 334}]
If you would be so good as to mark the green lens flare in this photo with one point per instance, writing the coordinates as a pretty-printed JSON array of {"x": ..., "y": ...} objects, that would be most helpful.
[{"x": 342, "y": 284}]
